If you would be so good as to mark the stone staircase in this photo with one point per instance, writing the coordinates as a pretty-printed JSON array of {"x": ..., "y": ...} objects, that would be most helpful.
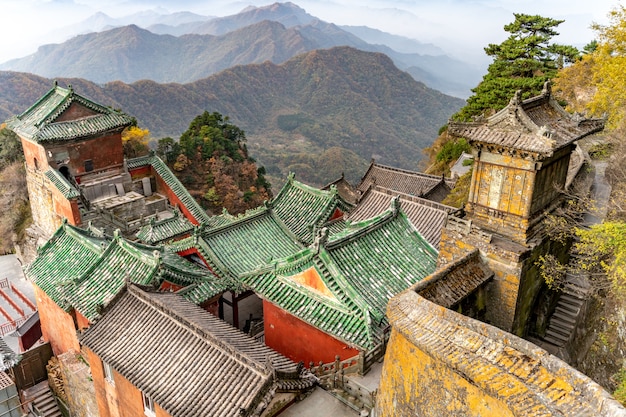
[
  {"x": 565, "y": 317},
  {"x": 41, "y": 401}
]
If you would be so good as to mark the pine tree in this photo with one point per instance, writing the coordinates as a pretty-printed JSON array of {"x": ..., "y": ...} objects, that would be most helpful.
[{"x": 524, "y": 61}]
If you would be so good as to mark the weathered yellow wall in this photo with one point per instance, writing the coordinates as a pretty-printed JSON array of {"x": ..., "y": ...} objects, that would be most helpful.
[{"x": 414, "y": 384}]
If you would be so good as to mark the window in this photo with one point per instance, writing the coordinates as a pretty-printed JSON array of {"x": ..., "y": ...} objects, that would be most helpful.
[
  {"x": 88, "y": 165},
  {"x": 148, "y": 405},
  {"x": 108, "y": 372}
]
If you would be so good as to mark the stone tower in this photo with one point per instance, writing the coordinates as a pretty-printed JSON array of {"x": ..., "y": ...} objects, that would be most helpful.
[
  {"x": 67, "y": 139},
  {"x": 521, "y": 161}
]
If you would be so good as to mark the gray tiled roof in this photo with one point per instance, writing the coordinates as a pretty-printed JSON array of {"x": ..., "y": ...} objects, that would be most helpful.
[
  {"x": 39, "y": 123},
  {"x": 454, "y": 281},
  {"x": 188, "y": 361},
  {"x": 402, "y": 180},
  {"x": 428, "y": 217},
  {"x": 538, "y": 124}
]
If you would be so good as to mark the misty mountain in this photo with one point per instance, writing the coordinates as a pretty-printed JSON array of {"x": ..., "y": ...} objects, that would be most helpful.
[
  {"x": 276, "y": 33},
  {"x": 398, "y": 43},
  {"x": 325, "y": 105}
]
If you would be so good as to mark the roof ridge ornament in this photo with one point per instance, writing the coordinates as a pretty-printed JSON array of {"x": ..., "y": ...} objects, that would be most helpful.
[
  {"x": 547, "y": 88},
  {"x": 395, "y": 205},
  {"x": 516, "y": 100},
  {"x": 321, "y": 237}
]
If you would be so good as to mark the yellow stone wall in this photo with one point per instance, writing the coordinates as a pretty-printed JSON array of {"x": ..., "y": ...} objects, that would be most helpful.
[{"x": 414, "y": 384}]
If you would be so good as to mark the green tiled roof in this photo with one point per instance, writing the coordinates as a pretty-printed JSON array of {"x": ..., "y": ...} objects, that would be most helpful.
[
  {"x": 63, "y": 259},
  {"x": 166, "y": 229},
  {"x": 62, "y": 184},
  {"x": 304, "y": 209},
  {"x": 39, "y": 124},
  {"x": 363, "y": 267},
  {"x": 77, "y": 270},
  {"x": 250, "y": 242}
]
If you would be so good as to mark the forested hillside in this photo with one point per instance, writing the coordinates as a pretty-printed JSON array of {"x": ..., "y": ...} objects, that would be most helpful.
[{"x": 327, "y": 105}]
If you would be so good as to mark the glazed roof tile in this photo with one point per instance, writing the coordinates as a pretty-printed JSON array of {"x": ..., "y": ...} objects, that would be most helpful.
[
  {"x": 62, "y": 184},
  {"x": 78, "y": 270},
  {"x": 166, "y": 229},
  {"x": 39, "y": 122},
  {"x": 250, "y": 242},
  {"x": 454, "y": 281},
  {"x": 428, "y": 217},
  {"x": 63, "y": 259},
  {"x": 538, "y": 124},
  {"x": 360, "y": 267},
  {"x": 211, "y": 368},
  {"x": 401, "y": 180},
  {"x": 304, "y": 209}
]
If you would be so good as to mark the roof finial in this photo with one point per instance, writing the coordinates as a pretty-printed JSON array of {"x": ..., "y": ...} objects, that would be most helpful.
[
  {"x": 395, "y": 205},
  {"x": 320, "y": 239},
  {"x": 547, "y": 88},
  {"x": 516, "y": 99},
  {"x": 56, "y": 83}
]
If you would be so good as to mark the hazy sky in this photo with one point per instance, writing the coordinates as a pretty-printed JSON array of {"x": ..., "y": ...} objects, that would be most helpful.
[{"x": 461, "y": 27}]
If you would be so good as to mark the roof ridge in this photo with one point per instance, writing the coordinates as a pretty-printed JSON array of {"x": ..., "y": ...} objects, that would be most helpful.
[
  {"x": 47, "y": 95},
  {"x": 356, "y": 230},
  {"x": 203, "y": 333},
  {"x": 236, "y": 222}
]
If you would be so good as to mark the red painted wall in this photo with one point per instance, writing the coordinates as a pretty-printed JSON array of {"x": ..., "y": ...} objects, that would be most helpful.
[
  {"x": 81, "y": 321},
  {"x": 34, "y": 151},
  {"x": 57, "y": 326},
  {"x": 300, "y": 341},
  {"x": 120, "y": 399},
  {"x": 64, "y": 207},
  {"x": 163, "y": 188}
]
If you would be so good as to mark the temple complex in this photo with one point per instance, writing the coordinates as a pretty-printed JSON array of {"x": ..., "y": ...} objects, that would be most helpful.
[{"x": 315, "y": 287}]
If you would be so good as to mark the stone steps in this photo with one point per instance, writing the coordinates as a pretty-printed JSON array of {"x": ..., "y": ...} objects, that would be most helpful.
[
  {"x": 41, "y": 401},
  {"x": 565, "y": 317}
]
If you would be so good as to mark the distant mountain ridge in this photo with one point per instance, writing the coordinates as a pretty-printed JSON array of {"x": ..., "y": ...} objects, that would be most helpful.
[
  {"x": 203, "y": 47},
  {"x": 340, "y": 104}
]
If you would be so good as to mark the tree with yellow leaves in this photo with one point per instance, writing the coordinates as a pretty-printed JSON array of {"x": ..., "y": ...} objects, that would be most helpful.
[
  {"x": 596, "y": 83},
  {"x": 135, "y": 141}
]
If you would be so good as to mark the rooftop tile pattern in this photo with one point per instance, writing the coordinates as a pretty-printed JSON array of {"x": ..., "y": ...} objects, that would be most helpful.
[
  {"x": 63, "y": 259},
  {"x": 362, "y": 267},
  {"x": 78, "y": 270},
  {"x": 538, "y": 124},
  {"x": 304, "y": 209},
  {"x": 454, "y": 281},
  {"x": 250, "y": 242},
  {"x": 166, "y": 229},
  {"x": 62, "y": 184},
  {"x": 39, "y": 124},
  {"x": 401, "y": 180},
  {"x": 528, "y": 379},
  {"x": 428, "y": 217},
  {"x": 188, "y": 361}
]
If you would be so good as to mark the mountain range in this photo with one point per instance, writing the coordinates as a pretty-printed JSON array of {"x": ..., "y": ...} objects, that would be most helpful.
[
  {"x": 184, "y": 47},
  {"x": 318, "y": 114}
]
